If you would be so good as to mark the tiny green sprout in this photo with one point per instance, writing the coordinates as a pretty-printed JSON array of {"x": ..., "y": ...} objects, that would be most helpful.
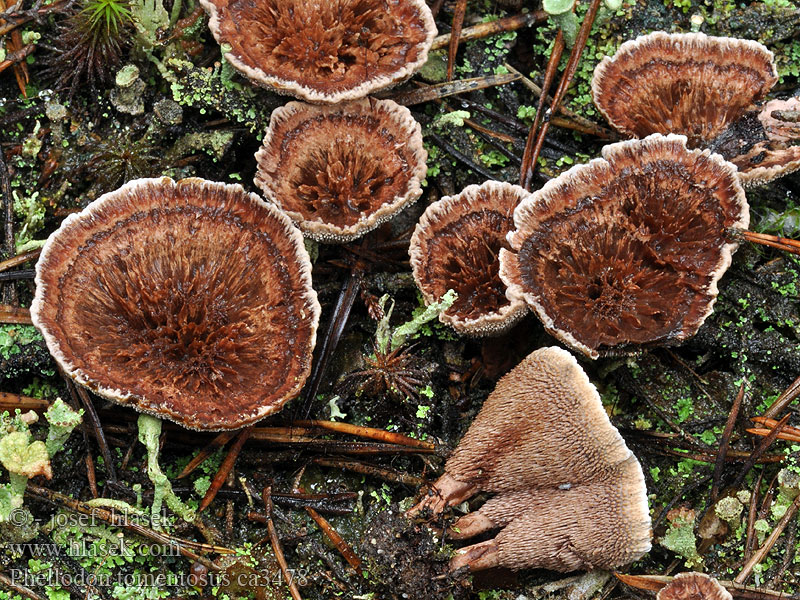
[{"x": 62, "y": 419}]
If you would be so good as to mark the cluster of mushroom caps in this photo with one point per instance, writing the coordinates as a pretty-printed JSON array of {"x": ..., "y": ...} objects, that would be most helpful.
[
  {"x": 176, "y": 297},
  {"x": 624, "y": 252}
]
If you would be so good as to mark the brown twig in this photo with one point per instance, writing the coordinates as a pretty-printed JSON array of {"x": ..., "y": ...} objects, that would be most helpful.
[
  {"x": 762, "y": 552},
  {"x": 19, "y": 259},
  {"x": 369, "y": 433},
  {"x": 215, "y": 444},
  {"x": 372, "y": 470},
  {"x": 482, "y": 30},
  {"x": 455, "y": 36},
  {"x": 751, "y": 517},
  {"x": 786, "y": 398},
  {"x": 428, "y": 93},
  {"x": 9, "y": 583},
  {"x": 725, "y": 442},
  {"x": 224, "y": 468},
  {"x": 276, "y": 546},
  {"x": 773, "y": 241},
  {"x": 15, "y": 315},
  {"x": 10, "y": 295},
  {"x": 99, "y": 435},
  {"x": 759, "y": 450},
  {"x": 526, "y": 171}
]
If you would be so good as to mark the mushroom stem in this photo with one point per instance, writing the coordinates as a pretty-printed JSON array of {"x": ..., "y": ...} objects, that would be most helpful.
[{"x": 773, "y": 241}]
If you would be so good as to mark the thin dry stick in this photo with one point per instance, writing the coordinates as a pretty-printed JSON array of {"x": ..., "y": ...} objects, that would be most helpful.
[
  {"x": 566, "y": 79},
  {"x": 482, "y": 30},
  {"x": 773, "y": 241},
  {"x": 218, "y": 442},
  {"x": 455, "y": 35},
  {"x": 6, "y": 581},
  {"x": 368, "y": 433},
  {"x": 337, "y": 540},
  {"x": 8, "y": 204},
  {"x": 224, "y": 469},
  {"x": 762, "y": 552},
  {"x": 276, "y": 546},
  {"x": 526, "y": 171},
  {"x": 725, "y": 442},
  {"x": 100, "y": 436},
  {"x": 116, "y": 520},
  {"x": 751, "y": 517},
  {"x": 759, "y": 450},
  {"x": 11, "y": 402},
  {"x": 786, "y": 398},
  {"x": 15, "y": 315},
  {"x": 372, "y": 470},
  {"x": 427, "y": 93},
  {"x": 19, "y": 259}
]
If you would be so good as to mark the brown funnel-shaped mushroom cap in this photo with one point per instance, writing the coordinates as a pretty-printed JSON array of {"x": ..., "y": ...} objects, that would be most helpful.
[
  {"x": 456, "y": 246},
  {"x": 693, "y": 586},
  {"x": 340, "y": 171},
  {"x": 188, "y": 300},
  {"x": 685, "y": 83},
  {"x": 626, "y": 251},
  {"x": 570, "y": 494},
  {"x": 324, "y": 51}
]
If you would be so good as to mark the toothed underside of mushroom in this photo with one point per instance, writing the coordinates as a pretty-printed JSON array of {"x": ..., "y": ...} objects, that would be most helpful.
[
  {"x": 543, "y": 426},
  {"x": 325, "y": 51},
  {"x": 341, "y": 171},
  {"x": 693, "y": 586},
  {"x": 625, "y": 252},
  {"x": 602, "y": 524},
  {"x": 143, "y": 298},
  {"x": 690, "y": 84},
  {"x": 456, "y": 246}
]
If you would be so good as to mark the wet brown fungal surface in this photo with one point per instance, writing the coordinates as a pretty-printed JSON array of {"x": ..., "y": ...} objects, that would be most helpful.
[
  {"x": 569, "y": 493},
  {"x": 141, "y": 298},
  {"x": 693, "y": 586},
  {"x": 456, "y": 246},
  {"x": 691, "y": 84},
  {"x": 626, "y": 251},
  {"x": 341, "y": 171},
  {"x": 324, "y": 51}
]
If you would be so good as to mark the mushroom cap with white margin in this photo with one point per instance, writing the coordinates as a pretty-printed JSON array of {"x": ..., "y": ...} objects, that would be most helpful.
[
  {"x": 685, "y": 83},
  {"x": 340, "y": 171},
  {"x": 455, "y": 246},
  {"x": 188, "y": 300},
  {"x": 625, "y": 252},
  {"x": 323, "y": 51},
  {"x": 693, "y": 586}
]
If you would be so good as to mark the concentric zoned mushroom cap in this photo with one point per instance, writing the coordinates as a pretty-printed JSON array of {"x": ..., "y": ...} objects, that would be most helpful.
[
  {"x": 340, "y": 171},
  {"x": 626, "y": 251},
  {"x": 188, "y": 300},
  {"x": 684, "y": 83},
  {"x": 324, "y": 51},
  {"x": 456, "y": 246},
  {"x": 693, "y": 586}
]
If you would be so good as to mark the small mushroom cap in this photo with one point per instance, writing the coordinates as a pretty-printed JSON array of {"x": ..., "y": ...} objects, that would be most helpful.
[
  {"x": 188, "y": 300},
  {"x": 685, "y": 83},
  {"x": 340, "y": 171},
  {"x": 543, "y": 426},
  {"x": 456, "y": 245},
  {"x": 626, "y": 251},
  {"x": 693, "y": 586},
  {"x": 773, "y": 157},
  {"x": 324, "y": 51}
]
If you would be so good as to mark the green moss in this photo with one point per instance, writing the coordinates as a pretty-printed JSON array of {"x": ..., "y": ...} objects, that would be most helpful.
[{"x": 12, "y": 337}]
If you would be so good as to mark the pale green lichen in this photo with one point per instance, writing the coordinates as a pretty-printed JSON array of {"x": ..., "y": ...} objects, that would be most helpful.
[
  {"x": 62, "y": 420},
  {"x": 149, "y": 433},
  {"x": 388, "y": 340},
  {"x": 729, "y": 509}
]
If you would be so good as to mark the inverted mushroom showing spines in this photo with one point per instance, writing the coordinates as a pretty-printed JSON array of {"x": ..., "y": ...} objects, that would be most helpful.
[
  {"x": 625, "y": 252},
  {"x": 693, "y": 586},
  {"x": 188, "y": 300},
  {"x": 690, "y": 84},
  {"x": 340, "y": 171},
  {"x": 324, "y": 51},
  {"x": 569, "y": 493},
  {"x": 456, "y": 245}
]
